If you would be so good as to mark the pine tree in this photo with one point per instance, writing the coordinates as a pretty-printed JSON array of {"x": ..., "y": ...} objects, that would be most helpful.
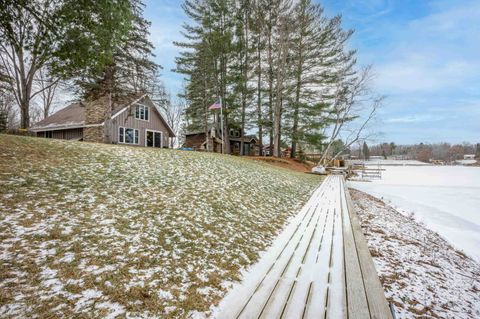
[
  {"x": 275, "y": 10},
  {"x": 208, "y": 55},
  {"x": 196, "y": 63},
  {"x": 242, "y": 67},
  {"x": 309, "y": 47},
  {"x": 92, "y": 35},
  {"x": 133, "y": 59},
  {"x": 258, "y": 27},
  {"x": 281, "y": 79},
  {"x": 105, "y": 47},
  {"x": 325, "y": 67},
  {"x": 288, "y": 66},
  {"x": 366, "y": 151}
]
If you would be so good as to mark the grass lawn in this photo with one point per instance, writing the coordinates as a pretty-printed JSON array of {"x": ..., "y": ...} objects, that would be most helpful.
[{"x": 99, "y": 230}]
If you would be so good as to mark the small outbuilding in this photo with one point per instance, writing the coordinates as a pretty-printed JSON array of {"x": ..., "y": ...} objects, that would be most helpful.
[{"x": 212, "y": 142}]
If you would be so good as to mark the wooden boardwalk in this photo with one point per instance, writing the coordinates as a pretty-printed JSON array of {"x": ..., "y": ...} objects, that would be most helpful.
[{"x": 319, "y": 267}]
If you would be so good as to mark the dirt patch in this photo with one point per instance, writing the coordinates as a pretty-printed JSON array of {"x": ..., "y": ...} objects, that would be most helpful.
[{"x": 290, "y": 163}]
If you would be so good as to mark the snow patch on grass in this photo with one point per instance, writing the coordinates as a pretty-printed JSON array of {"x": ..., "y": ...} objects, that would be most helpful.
[{"x": 110, "y": 230}]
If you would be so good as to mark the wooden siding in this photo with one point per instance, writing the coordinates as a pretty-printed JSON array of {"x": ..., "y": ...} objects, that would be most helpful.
[
  {"x": 127, "y": 119},
  {"x": 194, "y": 141},
  {"x": 69, "y": 134}
]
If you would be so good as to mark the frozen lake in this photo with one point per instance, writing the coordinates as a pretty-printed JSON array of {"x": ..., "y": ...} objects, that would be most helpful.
[{"x": 445, "y": 198}]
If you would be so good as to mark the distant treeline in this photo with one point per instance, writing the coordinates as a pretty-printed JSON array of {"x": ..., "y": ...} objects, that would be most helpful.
[{"x": 421, "y": 152}]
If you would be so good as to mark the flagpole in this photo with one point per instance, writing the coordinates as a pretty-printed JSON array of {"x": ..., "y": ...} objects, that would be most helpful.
[{"x": 221, "y": 124}]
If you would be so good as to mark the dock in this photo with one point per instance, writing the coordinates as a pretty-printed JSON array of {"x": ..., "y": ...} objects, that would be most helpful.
[{"x": 318, "y": 267}]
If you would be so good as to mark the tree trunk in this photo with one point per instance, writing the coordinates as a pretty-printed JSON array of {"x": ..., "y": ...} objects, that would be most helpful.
[
  {"x": 25, "y": 114},
  {"x": 270, "y": 90},
  {"x": 108, "y": 90},
  {"x": 205, "y": 123},
  {"x": 245, "y": 83},
  {"x": 259, "y": 98},
  {"x": 281, "y": 69},
  {"x": 296, "y": 105}
]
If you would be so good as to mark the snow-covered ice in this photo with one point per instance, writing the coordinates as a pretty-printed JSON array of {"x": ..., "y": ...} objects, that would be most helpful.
[
  {"x": 445, "y": 198},
  {"x": 423, "y": 276}
]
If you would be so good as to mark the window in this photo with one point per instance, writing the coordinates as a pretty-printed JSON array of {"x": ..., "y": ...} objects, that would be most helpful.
[
  {"x": 127, "y": 135},
  {"x": 141, "y": 112},
  {"x": 234, "y": 133},
  {"x": 49, "y": 134}
]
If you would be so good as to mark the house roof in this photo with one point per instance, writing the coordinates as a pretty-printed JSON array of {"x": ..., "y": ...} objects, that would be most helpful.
[
  {"x": 73, "y": 116},
  {"x": 194, "y": 132}
]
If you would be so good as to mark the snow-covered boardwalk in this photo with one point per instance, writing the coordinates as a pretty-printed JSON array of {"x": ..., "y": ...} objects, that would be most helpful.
[{"x": 319, "y": 267}]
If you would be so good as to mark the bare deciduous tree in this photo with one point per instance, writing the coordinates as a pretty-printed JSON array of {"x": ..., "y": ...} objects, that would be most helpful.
[
  {"x": 8, "y": 111},
  {"x": 352, "y": 99},
  {"x": 173, "y": 112},
  {"x": 47, "y": 86},
  {"x": 25, "y": 48}
]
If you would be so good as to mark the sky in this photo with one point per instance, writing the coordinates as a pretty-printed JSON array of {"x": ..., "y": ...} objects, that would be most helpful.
[{"x": 425, "y": 56}]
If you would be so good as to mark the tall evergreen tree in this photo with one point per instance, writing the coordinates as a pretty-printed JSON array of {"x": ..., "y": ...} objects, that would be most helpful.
[
  {"x": 105, "y": 48},
  {"x": 365, "y": 151},
  {"x": 208, "y": 56},
  {"x": 133, "y": 58},
  {"x": 321, "y": 63},
  {"x": 258, "y": 29},
  {"x": 93, "y": 32},
  {"x": 282, "y": 62}
]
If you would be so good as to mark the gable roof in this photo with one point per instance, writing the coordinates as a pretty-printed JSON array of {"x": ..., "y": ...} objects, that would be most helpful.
[
  {"x": 162, "y": 118},
  {"x": 73, "y": 116}
]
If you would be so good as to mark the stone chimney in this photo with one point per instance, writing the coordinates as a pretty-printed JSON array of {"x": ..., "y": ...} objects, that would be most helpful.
[{"x": 96, "y": 112}]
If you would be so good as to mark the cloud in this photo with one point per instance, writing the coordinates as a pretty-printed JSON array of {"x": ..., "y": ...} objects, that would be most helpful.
[
  {"x": 425, "y": 55},
  {"x": 415, "y": 73},
  {"x": 437, "y": 52},
  {"x": 415, "y": 119}
]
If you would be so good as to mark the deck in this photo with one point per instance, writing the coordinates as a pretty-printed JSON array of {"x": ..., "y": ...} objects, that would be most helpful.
[{"x": 319, "y": 267}]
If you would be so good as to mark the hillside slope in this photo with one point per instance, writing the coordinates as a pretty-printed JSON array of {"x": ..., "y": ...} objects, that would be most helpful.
[{"x": 106, "y": 230}]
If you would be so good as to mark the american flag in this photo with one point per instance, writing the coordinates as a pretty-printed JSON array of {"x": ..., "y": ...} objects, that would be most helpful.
[{"x": 215, "y": 106}]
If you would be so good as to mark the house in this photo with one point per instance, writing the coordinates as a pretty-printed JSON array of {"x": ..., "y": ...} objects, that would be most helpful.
[
  {"x": 134, "y": 120},
  {"x": 468, "y": 159},
  {"x": 213, "y": 142}
]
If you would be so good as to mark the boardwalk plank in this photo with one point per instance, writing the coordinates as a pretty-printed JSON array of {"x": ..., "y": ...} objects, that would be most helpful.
[
  {"x": 356, "y": 296},
  {"x": 316, "y": 269},
  {"x": 377, "y": 303},
  {"x": 260, "y": 297},
  {"x": 337, "y": 295}
]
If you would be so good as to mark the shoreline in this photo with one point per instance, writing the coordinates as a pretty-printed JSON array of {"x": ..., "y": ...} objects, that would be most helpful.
[{"x": 422, "y": 274}]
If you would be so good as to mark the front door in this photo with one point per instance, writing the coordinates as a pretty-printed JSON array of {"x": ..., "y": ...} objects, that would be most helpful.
[{"x": 153, "y": 138}]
